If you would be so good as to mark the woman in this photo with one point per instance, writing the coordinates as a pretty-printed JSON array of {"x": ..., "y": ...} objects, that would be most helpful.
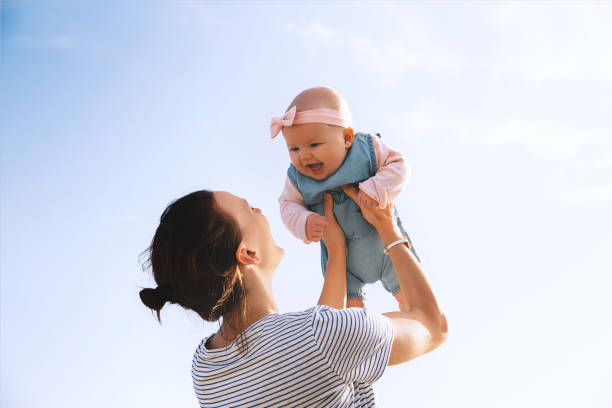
[{"x": 214, "y": 254}]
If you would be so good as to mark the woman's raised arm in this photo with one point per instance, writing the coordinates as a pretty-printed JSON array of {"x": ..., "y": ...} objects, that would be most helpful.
[
  {"x": 334, "y": 287},
  {"x": 424, "y": 327}
]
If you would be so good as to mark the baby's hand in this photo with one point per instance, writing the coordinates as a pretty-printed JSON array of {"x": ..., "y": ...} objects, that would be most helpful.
[
  {"x": 363, "y": 200},
  {"x": 315, "y": 227}
]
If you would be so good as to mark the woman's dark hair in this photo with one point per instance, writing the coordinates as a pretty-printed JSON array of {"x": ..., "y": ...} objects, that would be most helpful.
[{"x": 193, "y": 259}]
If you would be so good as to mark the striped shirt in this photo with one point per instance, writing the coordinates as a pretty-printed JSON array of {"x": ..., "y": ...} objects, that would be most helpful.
[{"x": 320, "y": 357}]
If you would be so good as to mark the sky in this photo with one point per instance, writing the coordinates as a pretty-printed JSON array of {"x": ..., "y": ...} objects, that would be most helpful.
[{"x": 111, "y": 110}]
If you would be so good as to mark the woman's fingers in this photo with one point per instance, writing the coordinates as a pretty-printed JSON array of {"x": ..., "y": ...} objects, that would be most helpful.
[
  {"x": 364, "y": 200},
  {"x": 370, "y": 203},
  {"x": 328, "y": 208},
  {"x": 333, "y": 236},
  {"x": 350, "y": 191},
  {"x": 373, "y": 215}
]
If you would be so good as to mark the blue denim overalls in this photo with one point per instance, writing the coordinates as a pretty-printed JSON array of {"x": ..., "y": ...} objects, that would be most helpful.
[{"x": 365, "y": 262}]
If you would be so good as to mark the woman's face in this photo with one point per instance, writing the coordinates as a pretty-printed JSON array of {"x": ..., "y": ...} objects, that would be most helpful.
[{"x": 255, "y": 229}]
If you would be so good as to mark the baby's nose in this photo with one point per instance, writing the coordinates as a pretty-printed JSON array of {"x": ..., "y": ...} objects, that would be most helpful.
[{"x": 305, "y": 154}]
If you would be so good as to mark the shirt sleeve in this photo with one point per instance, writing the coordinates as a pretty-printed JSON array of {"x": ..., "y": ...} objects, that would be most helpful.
[
  {"x": 293, "y": 211},
  {"x": 392, "y": 174},
  {"x": 355, "y": 342}
]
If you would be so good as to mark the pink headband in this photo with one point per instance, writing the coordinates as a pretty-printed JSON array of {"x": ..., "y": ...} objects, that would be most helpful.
[{"x": 322, "y": 115}]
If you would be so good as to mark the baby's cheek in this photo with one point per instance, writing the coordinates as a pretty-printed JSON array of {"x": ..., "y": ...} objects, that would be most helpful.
[{"x": 293, "y": 159}]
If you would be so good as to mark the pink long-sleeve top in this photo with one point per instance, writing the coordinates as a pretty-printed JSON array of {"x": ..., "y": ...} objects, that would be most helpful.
[{"x": 392, "y": 173}]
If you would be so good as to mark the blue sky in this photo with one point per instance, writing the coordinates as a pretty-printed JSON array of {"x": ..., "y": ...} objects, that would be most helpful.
[{"x": 110, "y": 110}]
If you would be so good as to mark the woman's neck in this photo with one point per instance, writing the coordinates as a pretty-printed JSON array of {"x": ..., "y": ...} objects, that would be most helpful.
[{"x": 259, "y": 301}]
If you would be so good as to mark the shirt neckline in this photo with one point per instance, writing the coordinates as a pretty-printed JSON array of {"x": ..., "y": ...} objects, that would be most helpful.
[{"x": 232, "y": 345}]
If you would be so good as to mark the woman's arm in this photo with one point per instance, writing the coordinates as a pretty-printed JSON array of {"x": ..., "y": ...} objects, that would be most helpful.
[
  {"x": 333, "y": 293},
  {"x": 424, "y": 327}
]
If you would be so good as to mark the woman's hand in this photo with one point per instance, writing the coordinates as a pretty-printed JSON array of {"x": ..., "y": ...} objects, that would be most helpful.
[
  {"x": 333, "y": 236},
  {"x": 380, "y": 218},
  {"x": 424, "y": 326},
  {"x": 365, "y": 201}
]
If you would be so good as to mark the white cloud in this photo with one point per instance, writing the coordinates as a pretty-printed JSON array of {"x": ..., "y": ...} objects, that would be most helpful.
[
  {"x": 553, "y": 41},
  {"x": 407, "y": 51},
  {"x": 315, "y": 33},
  {"x": 588, "y": 150},
  {"x": 588, "y": 195},
  {"x": 423, "y": 120},
  {"x": 542, "y": 138},
  {"x": 604, "y": 162}
]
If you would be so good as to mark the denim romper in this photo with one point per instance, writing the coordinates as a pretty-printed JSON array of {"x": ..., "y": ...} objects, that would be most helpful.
[{"x": 365, "y": 262}]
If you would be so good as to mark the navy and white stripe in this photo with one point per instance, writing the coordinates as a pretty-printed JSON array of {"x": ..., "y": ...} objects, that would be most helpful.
[{"x": 320, "y": 357}]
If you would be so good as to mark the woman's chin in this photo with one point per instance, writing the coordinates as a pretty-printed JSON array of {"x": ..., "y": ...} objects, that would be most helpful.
[
  {"x": 276, "y": 252},
  {"x": 280, "y": 253}
]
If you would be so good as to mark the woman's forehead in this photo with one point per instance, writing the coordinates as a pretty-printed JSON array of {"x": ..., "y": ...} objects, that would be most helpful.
[{"x": 227, "y": 199}]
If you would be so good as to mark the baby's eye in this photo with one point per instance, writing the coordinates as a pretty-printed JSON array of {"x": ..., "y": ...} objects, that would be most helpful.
[
  {"x": 314, "y": 144},
  {"x": 294, "y": 149}
]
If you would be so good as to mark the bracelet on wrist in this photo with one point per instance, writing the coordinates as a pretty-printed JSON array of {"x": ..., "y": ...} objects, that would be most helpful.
[{"x": 404, "y": 240}]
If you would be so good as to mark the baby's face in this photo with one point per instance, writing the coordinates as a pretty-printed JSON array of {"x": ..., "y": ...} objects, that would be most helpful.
[{"x": 317, "y": 150}]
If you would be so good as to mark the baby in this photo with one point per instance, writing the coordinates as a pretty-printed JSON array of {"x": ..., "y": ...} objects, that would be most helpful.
[{"x": 326, "y": 153}]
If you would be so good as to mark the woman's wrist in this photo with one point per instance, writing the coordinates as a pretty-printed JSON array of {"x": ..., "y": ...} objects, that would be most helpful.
[
  {"x": 389, "y": 233},
  {"x": 336, "y": 253}
]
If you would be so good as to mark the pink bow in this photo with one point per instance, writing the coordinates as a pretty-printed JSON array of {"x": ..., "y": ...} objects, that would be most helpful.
[{"x": 277, "y": 123}]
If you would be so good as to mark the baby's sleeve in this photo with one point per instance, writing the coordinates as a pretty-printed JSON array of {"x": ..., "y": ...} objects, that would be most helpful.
[
  {"x": 355, "y": 342},
  {"x": 391, "y": 175},
  {"x": 293, "y": 211}
]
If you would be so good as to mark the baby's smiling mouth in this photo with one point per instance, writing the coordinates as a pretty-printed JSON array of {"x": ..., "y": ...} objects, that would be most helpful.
[{"x": 315, "y": 167}]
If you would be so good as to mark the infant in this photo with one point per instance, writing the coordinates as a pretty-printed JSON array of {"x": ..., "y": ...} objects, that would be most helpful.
[{"x": 326, "y": 153}]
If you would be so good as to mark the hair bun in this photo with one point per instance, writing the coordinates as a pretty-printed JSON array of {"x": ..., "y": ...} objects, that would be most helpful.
[{"x": 154, "y": 298}]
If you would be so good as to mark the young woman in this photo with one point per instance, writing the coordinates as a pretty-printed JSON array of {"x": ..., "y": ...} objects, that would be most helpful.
[{"x": 214, "y": 254}]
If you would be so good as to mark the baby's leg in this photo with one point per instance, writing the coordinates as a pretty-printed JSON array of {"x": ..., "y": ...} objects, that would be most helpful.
[
  {"x": 391, "y": 285},
  {"x": 355, "y": 291},
  {"x": 355, "y": 303}
]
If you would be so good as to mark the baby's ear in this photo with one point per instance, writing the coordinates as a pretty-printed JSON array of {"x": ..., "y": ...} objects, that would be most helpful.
[{"x": 349, "y": 135}]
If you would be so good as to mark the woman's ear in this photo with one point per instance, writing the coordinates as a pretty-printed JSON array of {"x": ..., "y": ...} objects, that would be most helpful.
[
  {"x": 349, "y": 135},
  {"x": 246, "y": 256}
]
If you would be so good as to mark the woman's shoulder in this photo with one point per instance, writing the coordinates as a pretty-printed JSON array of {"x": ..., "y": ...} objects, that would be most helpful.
[
  {"x": 318, "y": 321},
  {"x": 268, "y": 326},
  {"x": 326, "y": 313},
  {"x": 345, "y": 323}
]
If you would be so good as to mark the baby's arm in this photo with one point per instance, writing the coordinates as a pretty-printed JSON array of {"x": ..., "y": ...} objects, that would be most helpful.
[
  {"x": 391, "y": 175},
  {"x": 304, "y": 224}
]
